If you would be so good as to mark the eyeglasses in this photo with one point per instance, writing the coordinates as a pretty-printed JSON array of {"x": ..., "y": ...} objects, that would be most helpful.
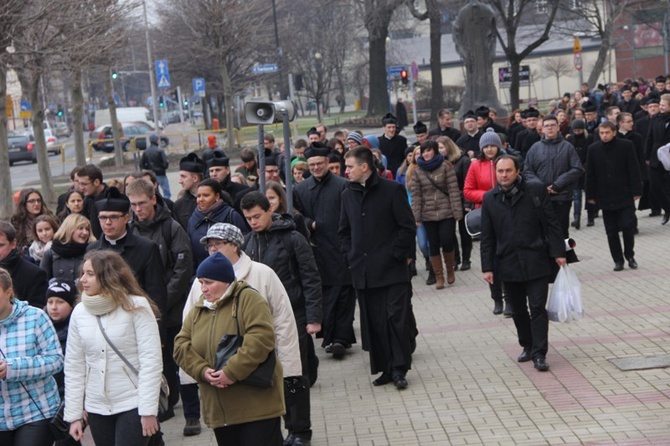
[
  {"x": 112, "y": 218},
  {"x": 34, "y": 201},
  {"x": 549, "y": 125},
  {"x": 214, "y": 244},
  {"x": 81, "y": 183}
]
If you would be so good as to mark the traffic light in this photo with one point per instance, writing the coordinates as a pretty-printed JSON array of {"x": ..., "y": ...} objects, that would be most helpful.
[
  {"x": 186, "y": 103},
  {"x": 161, "y": 101},
  {"x": 175, "y": 96},
  {"x": 115, "y": 75},
  {"x": 60, "y": 111},
  {"x": 403, "y": 77}
]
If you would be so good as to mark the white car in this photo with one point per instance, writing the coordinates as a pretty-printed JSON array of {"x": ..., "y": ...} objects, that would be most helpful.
[{"x": 52, "y": 142}]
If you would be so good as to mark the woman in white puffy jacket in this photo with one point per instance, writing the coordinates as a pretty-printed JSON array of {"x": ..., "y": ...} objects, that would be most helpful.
[{"x": 121, "y": 406}]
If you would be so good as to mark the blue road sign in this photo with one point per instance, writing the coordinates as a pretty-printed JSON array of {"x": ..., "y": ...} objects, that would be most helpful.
[
  {"x": 25, "y": 106},
  {"x": 395, "y": 70},
  {"x": 199, "y": 86},
  {"x": 267, "y": 68},
  {"x": 162, "y": 74}
]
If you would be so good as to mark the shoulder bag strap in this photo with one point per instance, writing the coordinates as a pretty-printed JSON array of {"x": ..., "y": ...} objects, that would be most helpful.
[
  {"x": 435, "y": 184},
  {"x": 116, "y": 350}
]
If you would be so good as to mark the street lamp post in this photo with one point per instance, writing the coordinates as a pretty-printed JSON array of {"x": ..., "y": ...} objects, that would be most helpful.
[{"x": 152, "y": 77}]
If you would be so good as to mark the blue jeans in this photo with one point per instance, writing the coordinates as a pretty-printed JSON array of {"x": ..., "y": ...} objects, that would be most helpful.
[
  {"x": 422, "y": 240},
  {"x": 577, "y": 203},
  {"x": 165, "y": 185}
]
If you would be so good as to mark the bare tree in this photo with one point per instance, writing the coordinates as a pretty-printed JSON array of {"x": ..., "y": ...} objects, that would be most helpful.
[
  {"x": 434, "y": 14},
  {"x": 510, "y": 14},
  {"x": 222, "y": 35},
  {"x": 558, "y": 66}
]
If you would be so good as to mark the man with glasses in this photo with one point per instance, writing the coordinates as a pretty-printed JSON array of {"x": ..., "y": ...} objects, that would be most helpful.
[
  {"x": 554, "y": 162},
  {"x": 90, "y": 184},
  {"x": 155, "y": 222},
  {"x": 141, "y": 254}
]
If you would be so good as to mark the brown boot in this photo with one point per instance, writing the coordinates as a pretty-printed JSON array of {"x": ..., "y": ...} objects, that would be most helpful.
[
  {"x": 436, "y": 261},
  {"x": 451, "y": 266}
]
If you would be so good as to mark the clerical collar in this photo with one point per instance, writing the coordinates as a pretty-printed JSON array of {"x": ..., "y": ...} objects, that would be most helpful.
[{"x": 115, "y": 241}]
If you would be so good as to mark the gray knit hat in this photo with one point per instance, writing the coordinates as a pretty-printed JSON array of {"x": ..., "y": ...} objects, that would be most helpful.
[{"x": 490, "y": 138}]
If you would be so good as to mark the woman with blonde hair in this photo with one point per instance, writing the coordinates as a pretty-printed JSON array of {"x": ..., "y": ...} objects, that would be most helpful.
[
  {"x": 68, "y": 248},
  {"x": 461, "y": 162},
  {"x": 113, "y": 364}
]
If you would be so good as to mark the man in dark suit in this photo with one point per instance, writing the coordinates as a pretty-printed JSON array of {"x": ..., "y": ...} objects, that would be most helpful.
[
  {"x": 659, "y": 135},
  {"x": 376, "y": 234},
  {"x": 444, "y": 126}
]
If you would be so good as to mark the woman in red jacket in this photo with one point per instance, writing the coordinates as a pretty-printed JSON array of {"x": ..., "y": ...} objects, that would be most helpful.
[{"x": 480, "y": 179}]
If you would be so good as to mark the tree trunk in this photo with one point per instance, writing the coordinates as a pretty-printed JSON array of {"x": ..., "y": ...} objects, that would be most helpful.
[
  {"x": 77, "y": 118},
  {"x": 340, "y": 88},
  {"x": 6, "y": 202},
  {"x": 118, "y": 153},
  {"x": 227, "y": 103},
  {"x": 599, "y": 66},
  {"x": 558, "y": 84},
  {"x": 514, "y": 64},
  {"x": 37, "y": 121},
  {"x": 437, "y": 90},
  {"x": 378, "y": 103}
]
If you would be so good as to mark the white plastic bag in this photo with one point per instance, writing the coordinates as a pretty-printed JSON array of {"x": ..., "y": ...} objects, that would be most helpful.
[{"x": 565, "y": 300}]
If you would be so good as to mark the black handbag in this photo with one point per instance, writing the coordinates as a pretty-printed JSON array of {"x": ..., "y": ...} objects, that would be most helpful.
[{"x": 263, "y": 376}]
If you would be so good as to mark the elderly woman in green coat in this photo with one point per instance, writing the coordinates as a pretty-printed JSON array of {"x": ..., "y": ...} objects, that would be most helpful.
[{"x": 240, "y": 414}]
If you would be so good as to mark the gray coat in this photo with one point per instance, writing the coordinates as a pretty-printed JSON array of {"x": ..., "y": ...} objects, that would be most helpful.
[{"x": 554, "y": 162}]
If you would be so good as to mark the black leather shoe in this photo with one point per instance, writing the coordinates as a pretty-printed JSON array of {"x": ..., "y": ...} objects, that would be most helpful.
[
  {"x": 465, "y": 266},
  {"x": 338, "y": 350},
  {"x": 655, "y": 214},
  {"x": 632, "y": 263},
  {"x": 384, "y": 379},
  {"x": 497, "y": 307},
  {"x": 618, "y": 266},
  {"x": 400, "y": 382},
  {"x": 590, "y": 222},
  {"x": 299, "y": 441},
  {"x": 666, "y": 218},
  {"x": 431, "y": 278},
  {"x": 288, "y": 441},
  {"x": 507, "y": 312},
  {"x": 524, "y": 356},
  {"x": 541, "y": 364}
]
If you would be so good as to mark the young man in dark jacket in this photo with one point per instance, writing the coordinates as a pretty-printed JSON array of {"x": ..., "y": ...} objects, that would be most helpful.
[
  {"x": 377, "y": 231},
  {"x": 275, "y": 242},
  {"x": 521, "y": 236},
  {"x": 613, "y": 182},
  {"x": 154, "y": 159},
  {"x": 191, "y": 170}
]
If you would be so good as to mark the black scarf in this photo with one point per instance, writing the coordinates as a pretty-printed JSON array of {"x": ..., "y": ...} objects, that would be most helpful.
[
  {"x": 70, "y": 250},
  {"x": 10, "y": 262},
  {"x": 431, "y": 165},
  {"x": 511, "y": 196}
]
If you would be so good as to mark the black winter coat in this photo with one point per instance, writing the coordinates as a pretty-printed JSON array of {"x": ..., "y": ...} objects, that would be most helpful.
[
  {"x": 377, "y": 231},
  {"x": 451, "y": 132},
  {"x": 638, "y": 145},
  {"x": 469, "y": 143},
  {"x": 288, "y": 253},
  {"x": 144, "y": 258},
  {"x": 183, "y": 209},
  {"x": 521, "y": 236},
  {"x": 154, "y": 158},
  {"x": 581, "y": 144},
  {"x": 321, "y": 202},
  {"x": 613, "y": 174},
  {"x": 658, "y": 135},
  {"x": 394, "y": 151},
  {"x": 176, "y": 258},
  {"x": 28, "y": 280}
]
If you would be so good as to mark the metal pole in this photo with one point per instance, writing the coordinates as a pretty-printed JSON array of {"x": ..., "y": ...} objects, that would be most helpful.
[
  {"x": 152, "y": 76},
  {"x": 261, "y": 160},
  {"x": 282, "y": 89},
  {"x": 413, "y": 92},
  {"x": 180, "y": 102},
  {"x": 291, "y": 89},
  {"x": 287, "y": 159}
]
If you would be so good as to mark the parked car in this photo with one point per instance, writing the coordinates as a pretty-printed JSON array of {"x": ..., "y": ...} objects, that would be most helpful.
[
  {"x": 62, "y": 130},
  {"x": 21, "y": 149},
  {"x": 52, "y": 142},
  {"x": 138, "y": 130}
]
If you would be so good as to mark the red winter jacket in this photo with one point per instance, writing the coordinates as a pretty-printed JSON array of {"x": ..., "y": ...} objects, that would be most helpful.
[{"x": 480, "y": 179}]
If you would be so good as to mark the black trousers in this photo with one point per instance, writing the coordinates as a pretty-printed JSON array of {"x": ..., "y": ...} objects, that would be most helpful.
[
  {"x": 620, "y": 220},
  {"x": 562, "y": 211},
  {"x": 190, "y": 400},
  {"x": 466, "y": 243},
  {"x": 339, "y": 305},
  {"x": 385, "y": 312},
  {"x": 121, "y": 429},
  {"x": 298, "y": 420},
  {"x": 659, "y": 186},
  {"x": 262, "y": 432},
  {"x": 532, "y": 329},
  {"x": 36, "y": 433},
  {"x": 440, "y": 235}
]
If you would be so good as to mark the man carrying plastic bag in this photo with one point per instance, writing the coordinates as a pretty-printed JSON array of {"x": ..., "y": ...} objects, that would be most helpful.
[{"x": 565, "y": 301}]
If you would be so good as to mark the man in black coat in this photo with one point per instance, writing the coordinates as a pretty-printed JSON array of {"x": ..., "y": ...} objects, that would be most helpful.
[
  {"x": 219, "y": 169},
  {"x": 469, "y": 141},
  {"x": 318, "y": 198},
  {"x": 522, "y": 237},
  {"x": 275, "y": 242},
  {"x": 391, "y": 144},
  {"x": 90, "y": 184},
  {"x": 29, "y": 280},
  {"x": 613, "y": 182},
  {"x": 376, "y": 233},
  {"x": 444, "y": 126},
  {"x": 628, "y": 104},
  {"x": 659, "y": 135},
  {"x": 155, "y": 159},
  {"x": 140, "y": 253},
  {"x": 484, "y": 121},
  {"x": 191, "y": 170}
]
